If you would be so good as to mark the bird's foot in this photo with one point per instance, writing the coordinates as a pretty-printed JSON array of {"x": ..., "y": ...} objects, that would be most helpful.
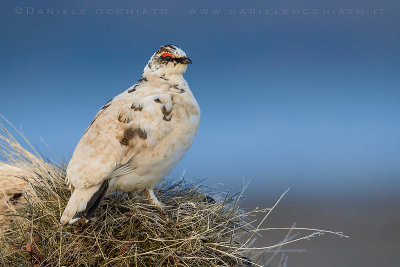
[{"x": 148, "y": 194}]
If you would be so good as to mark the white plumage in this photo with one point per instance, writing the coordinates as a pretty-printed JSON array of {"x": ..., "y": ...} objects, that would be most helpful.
[
  {"x": 13, "y": 189},
  {"x": 136, "y": 138}
]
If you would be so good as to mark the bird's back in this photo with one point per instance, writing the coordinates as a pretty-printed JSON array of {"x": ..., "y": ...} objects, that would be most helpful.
[{"x": 150, "y": 126}]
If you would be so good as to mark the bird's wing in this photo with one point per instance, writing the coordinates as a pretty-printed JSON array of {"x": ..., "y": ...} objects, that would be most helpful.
[{"x": 123, "y": 128}]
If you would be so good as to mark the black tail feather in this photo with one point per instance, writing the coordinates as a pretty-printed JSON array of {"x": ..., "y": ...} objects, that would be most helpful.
[{"x": 94, "y": 202}]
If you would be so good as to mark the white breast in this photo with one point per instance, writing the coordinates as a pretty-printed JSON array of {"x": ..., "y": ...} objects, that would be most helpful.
[{"x": 154, "y": 163}]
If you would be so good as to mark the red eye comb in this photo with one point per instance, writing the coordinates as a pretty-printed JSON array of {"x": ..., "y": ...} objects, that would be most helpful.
[{"x": 167, "y": 55}]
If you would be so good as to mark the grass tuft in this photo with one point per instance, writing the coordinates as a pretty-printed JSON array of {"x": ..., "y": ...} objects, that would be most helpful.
[{"x": 201, "y": 228}]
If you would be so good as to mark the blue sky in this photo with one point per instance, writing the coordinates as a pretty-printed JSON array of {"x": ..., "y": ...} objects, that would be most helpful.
[{"x": 307, "y": 101}]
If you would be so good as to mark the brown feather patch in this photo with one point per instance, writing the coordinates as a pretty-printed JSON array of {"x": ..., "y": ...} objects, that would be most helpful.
[
  {"x": 142, "y": 134},
  {"x": 130, "y": 133},
  {"x": 123, "y": 118},
  {"x": 165, "y": 111},
  {"x": 136, "y": 107},
  {"x": 181, "y": 91}
]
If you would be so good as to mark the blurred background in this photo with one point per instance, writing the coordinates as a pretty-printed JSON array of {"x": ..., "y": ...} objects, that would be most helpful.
[{"x": 294, "y": 94}]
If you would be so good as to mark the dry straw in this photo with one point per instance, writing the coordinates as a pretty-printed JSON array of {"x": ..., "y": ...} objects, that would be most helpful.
[{"x": 200, "y": 228}]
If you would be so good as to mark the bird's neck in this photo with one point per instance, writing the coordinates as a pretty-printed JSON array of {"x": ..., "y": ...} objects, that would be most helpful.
[{"x": 171, "y": 78}]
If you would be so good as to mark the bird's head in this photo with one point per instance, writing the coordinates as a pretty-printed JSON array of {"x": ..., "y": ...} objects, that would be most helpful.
[{"x": 167, "y": 60}]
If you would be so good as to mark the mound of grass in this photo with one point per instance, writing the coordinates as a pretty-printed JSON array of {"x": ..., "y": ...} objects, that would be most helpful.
[
  {"x": 199, "y": 228},
  {"x": 127, "y": 231}
]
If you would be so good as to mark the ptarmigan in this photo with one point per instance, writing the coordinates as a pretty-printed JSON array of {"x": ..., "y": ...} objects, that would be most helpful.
[
  {"x": 136, "y": 138},
  {"x": 13, "y": 188}
]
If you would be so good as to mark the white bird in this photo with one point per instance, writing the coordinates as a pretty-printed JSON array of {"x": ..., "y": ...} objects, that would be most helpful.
[
  {"x": 13, "y": 189},
  {"x": 136, "y": 138}
]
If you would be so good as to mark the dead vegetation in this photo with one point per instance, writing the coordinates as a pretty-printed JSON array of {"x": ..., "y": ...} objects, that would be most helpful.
[{"x": 201, "y": 228}]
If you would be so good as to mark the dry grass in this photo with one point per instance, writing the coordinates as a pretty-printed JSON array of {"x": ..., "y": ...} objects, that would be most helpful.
[
  {"x": 201, "y": 228},
  {"x": 11, "y": 189}
]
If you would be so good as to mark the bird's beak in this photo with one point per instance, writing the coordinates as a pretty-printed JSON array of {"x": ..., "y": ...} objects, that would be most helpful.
[{"x": 186, "y": 60}]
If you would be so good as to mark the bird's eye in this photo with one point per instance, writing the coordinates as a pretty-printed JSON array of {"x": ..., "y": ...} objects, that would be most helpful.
[{"x": 167, "y": 56}]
